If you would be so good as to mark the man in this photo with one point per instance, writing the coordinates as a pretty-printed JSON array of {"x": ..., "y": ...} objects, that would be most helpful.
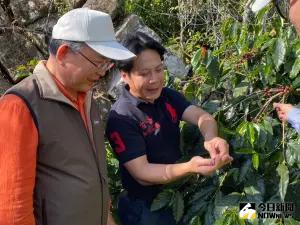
[
  {"x": 288, "y": 112},
  {"x": 143, "y": 129},
  {"x": 52, "y": 156}
]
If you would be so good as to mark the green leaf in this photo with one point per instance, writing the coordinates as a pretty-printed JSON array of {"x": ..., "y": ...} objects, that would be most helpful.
[
  {"x": 283, "y": 173},
  {"x": 252, "y": 222},
  {"x": 246, "y": 167},
  {"x": 251, "y": 190},
  {"x": 267, "y": 125},
  {"x": 255, "y": 161},
  {"x": 293, "y": 195},
  {"x": 178, "y": 206},
  {"x": 162, "y": 200},
  {"x": 279, "y": 53},
  {"x": 291, "y": 221},
  {"x": 251, "y": 133},
  {"x": 203, "y": 194},
  {"x": 295, "y": 69},
  {"x": 234, "y": 30},
  {"x": 33, "y": 62},
  {"x": 268, "y": 44},
  {"x": 189, "y": 90},
  {"x": 209, "y": 214},
  {"x": 21, "y": 75},
  {"x": 195, "y": 221},
  {"x": 296, "y": 83},
  {"x": 253, "y": 194},
  {"x": 196, "y": 59},
  {"x": 230, "y": 200},
  {"x": 242, "y": 128},
  {"x": 196, "y": 209},
  {"x": 293, "y": 152},
  {"x": 241, "y": 89},
  {"x": 213, "y": 68},
  {"x": 269, "y": 221},
  {"x": 221, "y": 220},
  {"x": 245, "y": 151},
  {"x": 212, "y": 106}
]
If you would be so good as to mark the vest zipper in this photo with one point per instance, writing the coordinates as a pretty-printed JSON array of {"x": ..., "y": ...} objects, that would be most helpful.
[
  {"x": 97, "y": 163},
  {"x": 44, "y": 213}
]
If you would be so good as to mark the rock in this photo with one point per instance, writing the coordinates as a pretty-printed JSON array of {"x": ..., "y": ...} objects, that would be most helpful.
[
  {"x": 3, "y": 18},
  {"x": 112, "y": 7},
  {"x": 28, "y": 11},
  {"x": 114, "y": 83},
  {"x": 175, "y": 65},
  {"x": 101, "y": 97},
  {"x": 75, "y": 3},
  {"x": 42, "y": 30},
  {"x": 16, "y": 51},
  {"x": 131, "y": 25},
  {"x": 4, "y": 84}
]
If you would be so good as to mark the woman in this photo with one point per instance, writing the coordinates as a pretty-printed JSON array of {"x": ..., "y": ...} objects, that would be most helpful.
[{"x": 143, "y": 129}]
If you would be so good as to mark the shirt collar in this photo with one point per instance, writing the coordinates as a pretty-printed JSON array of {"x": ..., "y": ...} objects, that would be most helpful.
[
  {"x": 48, "y": 87},
  {"x": 134, "y": 100}
]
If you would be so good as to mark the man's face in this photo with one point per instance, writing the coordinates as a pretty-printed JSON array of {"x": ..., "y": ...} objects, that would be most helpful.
[
  {"x": 81, "y": 72},
  {"x": 146, "y": 78},
  {"x": 295, "y": 14}
]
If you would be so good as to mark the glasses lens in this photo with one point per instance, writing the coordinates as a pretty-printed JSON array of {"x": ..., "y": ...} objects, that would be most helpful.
[{"x": 283, "y": 7}]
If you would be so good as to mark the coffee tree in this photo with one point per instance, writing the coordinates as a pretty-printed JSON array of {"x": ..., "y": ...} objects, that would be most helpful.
[{"x": 258, "y": 63}]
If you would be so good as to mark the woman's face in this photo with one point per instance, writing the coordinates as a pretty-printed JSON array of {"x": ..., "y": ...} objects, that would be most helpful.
[{"x": 146, "y": 79}]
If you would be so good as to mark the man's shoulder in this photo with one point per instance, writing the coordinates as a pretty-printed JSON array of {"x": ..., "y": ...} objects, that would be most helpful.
[
  {"x": 11, "y": 100},
  {"x": 169, "y": 92},
  {"x": 26, "y": 84},
  {"x": 124, "y": 107}
]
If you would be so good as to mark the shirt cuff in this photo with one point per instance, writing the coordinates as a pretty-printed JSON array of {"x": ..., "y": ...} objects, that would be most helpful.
[{"x": 294, "y": 118}]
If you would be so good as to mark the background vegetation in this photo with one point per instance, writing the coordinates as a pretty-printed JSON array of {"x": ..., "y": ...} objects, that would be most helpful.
[{"x": 242, "y": 63}]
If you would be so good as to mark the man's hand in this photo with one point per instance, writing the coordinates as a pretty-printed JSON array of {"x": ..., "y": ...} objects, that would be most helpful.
[
  {"x": 204, "y": 166},
  {"x": 282, "y": 110},
  {"x": 201, "y": 165},
  {"x": 218, "y": 149}
]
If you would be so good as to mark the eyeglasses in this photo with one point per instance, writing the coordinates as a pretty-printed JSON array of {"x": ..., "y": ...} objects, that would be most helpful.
[
  {"x": 103, "y": 67},
  {"x": 282, "y": 7}
]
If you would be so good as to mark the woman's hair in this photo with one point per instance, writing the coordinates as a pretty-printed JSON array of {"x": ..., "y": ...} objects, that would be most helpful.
[{"x": 138, "y": 43}]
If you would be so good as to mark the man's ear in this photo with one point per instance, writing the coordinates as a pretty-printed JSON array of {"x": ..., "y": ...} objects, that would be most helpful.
[
  {"x": 61, "y": 53},
  {"x": 124, "y": 76}
]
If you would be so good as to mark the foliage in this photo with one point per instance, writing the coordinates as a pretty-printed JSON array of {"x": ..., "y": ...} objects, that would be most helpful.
[
  {"x": 248, "y": 66},
  {"x": 158, "y": 14},
  {"x": 256, "y": 64},
  {"x": 26, "y": 70},
  {"x": 62, "y": 6},
  {"x": 182, "y": 23},
  {"x": 114, "y": 181},
  {"x": 113, "y": 174}
]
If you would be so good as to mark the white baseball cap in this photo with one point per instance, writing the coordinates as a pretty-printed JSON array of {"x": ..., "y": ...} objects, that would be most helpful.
[{"x": 93, "y": 27}]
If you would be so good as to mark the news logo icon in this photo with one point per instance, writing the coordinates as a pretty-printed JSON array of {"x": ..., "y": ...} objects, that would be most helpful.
[{"x": 247, "y": 211}]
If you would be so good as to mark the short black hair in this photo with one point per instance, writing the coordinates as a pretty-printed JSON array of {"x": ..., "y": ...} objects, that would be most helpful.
[{"x": 137, "y": 43}]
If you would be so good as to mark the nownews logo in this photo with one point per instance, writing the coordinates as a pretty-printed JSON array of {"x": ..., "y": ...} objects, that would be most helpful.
[
  {"x": 247, "y": 211},
  {"x": 270, "y": 210}
]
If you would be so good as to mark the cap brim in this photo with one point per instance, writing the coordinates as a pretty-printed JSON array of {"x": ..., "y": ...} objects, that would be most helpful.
[{"x": 111, "y": 49}]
